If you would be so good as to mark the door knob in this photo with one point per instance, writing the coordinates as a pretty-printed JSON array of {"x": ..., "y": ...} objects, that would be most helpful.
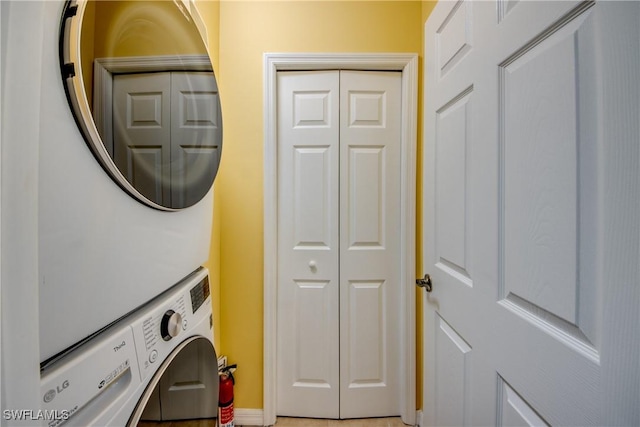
[
  {"x": 313, "y": 266},
  {"x": 425, "y": 283}
]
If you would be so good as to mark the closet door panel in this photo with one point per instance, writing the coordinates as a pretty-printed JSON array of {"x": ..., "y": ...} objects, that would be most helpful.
[
  {"x": 308, "y": 318},
  {"x": 370, "y": 132}
]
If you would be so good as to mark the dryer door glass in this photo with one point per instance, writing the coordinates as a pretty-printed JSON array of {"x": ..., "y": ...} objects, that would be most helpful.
[
  {"x": 186, "y": 386},
  {"x": 141, "y": 85}
]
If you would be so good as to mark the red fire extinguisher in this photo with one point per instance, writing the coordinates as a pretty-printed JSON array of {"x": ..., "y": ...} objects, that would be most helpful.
[{"x": 225, "y": 399}]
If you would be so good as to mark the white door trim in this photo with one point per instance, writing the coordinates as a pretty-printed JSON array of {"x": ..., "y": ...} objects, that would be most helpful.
[{"x": 408, "y": 65}]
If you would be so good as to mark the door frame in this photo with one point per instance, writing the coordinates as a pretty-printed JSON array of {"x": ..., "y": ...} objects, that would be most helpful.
[{"x": 408, "y": 64}]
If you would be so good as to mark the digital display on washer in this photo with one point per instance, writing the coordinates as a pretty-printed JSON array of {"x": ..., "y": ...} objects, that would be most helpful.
[{"x": 199, "y": 294}]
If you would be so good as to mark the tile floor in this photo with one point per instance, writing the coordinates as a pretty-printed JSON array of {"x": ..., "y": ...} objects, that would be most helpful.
[
  {"x": 370, "y": 422},
  {"x": 289, "y": 422}
]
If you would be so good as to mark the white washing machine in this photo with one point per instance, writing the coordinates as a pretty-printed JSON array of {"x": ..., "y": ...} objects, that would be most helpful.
[
  {"x": 158, "y": 363},
  {"x": 123, "y": 214}
]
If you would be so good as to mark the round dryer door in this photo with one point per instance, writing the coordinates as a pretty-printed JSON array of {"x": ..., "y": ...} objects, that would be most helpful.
[{"x": 141, "y": 86}]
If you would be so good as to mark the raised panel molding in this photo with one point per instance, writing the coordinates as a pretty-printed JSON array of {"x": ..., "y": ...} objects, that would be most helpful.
[
  {"x": 513, "y": 410},
  {"x": 145, "y": 162},
  {"x": 504, "y": 7},
  {"x": 197, "y": 157},
  {"x": 540, "y": 231},
  {"x": 366, "y": 328},
  {"x": 453, "y": 355},
  {"x": 312, "y": 308},
  {"x": 454, "y": 37},
  {"x": 144, "y": 110},
  {"x": 367, "y": 109},
  {"x": 198, "y": 110},
  {"x": 311, "y": 212},
  {"x": 540, "y": 218},
  {"x": 311, "y": 109},
  {"x": 366, "y": 197},
  {"x": 451, "y": 192}
]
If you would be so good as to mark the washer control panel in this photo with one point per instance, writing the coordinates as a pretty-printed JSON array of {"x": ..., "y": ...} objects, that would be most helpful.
[
  {"x": 156, "y": 325},
  {"x": 169, "y": 317}
]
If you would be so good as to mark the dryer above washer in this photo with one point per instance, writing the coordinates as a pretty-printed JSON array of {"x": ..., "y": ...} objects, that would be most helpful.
[{"x": 105, "y": 245}]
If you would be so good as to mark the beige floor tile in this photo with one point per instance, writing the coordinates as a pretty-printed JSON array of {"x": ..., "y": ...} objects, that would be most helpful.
[
  {"x": 290, "y": 422},
  {"x": 184, "y": 423},
  {"x": 396, "y": 422},
  {"x": 370, "y": 422},
  {"x": 301, "y": 422}
]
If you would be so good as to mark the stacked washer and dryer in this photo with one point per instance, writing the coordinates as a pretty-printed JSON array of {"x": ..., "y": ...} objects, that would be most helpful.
[{"x": 131, "y": 114}]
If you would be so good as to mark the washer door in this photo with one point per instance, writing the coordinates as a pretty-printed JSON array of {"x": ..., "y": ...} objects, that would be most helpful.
[
  {"x": 185, "y": 386},
  {"x": 141, "y": 86}
]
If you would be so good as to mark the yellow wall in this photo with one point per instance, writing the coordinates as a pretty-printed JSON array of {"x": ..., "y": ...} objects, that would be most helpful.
[
  {"x": 247, "y": 30},
  {"x": 123, "y": 28},
  {"x": 134, "y": 28},
  {"x": 209, "y": 11},
  {"x": 427, "y": 8}
]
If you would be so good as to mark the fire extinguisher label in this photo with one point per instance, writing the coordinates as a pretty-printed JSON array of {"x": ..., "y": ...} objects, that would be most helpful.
[{"x": 225, "y": 416}]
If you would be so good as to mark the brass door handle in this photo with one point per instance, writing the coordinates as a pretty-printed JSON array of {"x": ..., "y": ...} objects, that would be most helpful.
[{"x": 425, "y": 283}]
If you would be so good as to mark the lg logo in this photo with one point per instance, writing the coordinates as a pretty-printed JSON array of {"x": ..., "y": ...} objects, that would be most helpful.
[{"x": 51, "y": 394}]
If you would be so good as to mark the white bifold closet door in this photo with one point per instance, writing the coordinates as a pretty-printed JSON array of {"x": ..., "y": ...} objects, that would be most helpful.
[{"x": 338, "y": 243}]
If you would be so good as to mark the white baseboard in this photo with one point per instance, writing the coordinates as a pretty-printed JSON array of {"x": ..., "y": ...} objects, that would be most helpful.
[
  {"x": 418, "y": 418},
  {"x": 248, "y": 417}
]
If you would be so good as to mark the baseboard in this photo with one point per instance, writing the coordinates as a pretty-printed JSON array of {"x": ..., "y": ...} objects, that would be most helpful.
[
  {"x": 418, "y": 418},
  {"x": 248, "y": 417}
]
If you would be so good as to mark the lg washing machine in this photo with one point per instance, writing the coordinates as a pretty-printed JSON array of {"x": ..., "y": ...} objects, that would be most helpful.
[
  {"x": 155, "y": 364},
  {"x": 131, "y": 139}
]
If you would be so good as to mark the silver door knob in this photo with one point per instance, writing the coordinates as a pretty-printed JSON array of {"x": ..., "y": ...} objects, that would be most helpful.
[{"x": 425, "y": 283}]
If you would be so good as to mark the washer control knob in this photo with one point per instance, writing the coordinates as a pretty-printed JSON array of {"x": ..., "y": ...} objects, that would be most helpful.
[{"x": 171, "y": 325}]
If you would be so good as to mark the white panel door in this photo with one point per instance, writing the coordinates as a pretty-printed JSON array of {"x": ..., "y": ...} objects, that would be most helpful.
[
  {"x": 338, "y": 244},
  {"x": 531, "y": 213},
  {"x": 142, "y": 131}
]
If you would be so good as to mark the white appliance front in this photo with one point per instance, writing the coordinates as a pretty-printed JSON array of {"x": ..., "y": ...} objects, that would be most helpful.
[
  {"x": 101, "y": 252},
  {"x": 112, "y": 379}
]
